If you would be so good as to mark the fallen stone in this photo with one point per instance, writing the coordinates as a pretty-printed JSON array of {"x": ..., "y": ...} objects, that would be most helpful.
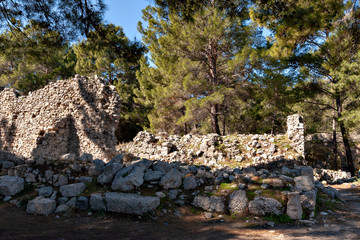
[
  {"x": 11, "y": 185},
  {"x": 45, "y": 191},
  {"x": 69, "y": 157},
  {"x": 109, "y": 173},
  {"x": 84, "y": 179},
  {"x": 62, "y": 208},
  {"x": 124, "y": 182},
  {"x": 97, "y": 202},
  {"x": 308, "y": 200},
  {"x": 130, "y": 203},
  {"x": 82, "y": 203},
  {"x": 151, "y": 175},
  {"x": 60, "y": 180},
  {"x": 171, "y": 179},
  {"x": 96, "y": 167},
  {"x": 304, "y": 183},
  {"x": 294, "y": 208},
  {"x": 262, "y": 206},
  {"x": 238, "y": 202},
  {"x": 210, "y": 204},
  {"x": 309, "y": 172},
  {"x": 72, "y": 190},
  {"x": 41, "y": 206},
  {"x": 189, "y": 183}
]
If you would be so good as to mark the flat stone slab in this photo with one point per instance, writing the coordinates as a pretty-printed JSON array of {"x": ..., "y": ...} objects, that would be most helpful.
[
  {"x": 130, "y": 203},
  {"x": 41, "y": 206},
  {"x": 72, "y": 190},
  {"x": 11, "y": 185}
]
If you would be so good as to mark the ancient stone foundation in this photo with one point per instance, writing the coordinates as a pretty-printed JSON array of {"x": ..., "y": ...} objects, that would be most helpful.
[{"x": 68, "y": 116}]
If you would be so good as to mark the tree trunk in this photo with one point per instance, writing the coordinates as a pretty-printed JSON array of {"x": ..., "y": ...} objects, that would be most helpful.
[
  {"x": 214, "y": 119},
  {"x": 344, "y": 135},
  {"x": 224, "y": 126},
  {"x": 349, "y": 159},
  {"x": 335, "y": 149}
]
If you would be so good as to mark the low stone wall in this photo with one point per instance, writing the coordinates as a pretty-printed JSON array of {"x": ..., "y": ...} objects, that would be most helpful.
[
  {"x": 68, "y": 116},
  {"x": 213, "y": 149}
]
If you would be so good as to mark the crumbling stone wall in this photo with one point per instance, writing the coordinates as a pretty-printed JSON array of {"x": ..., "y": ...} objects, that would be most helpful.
[
  {"x": 69, "y": 116},
  {"x": 213, "y": 149}
]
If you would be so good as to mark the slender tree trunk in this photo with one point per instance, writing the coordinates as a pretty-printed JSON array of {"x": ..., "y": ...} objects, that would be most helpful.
[
  {"x": 344, "y": 135},
  {"x": 335, "y": 149},
  {"x": 224, "y": 126},
  {"x": 214, "y": 119}
]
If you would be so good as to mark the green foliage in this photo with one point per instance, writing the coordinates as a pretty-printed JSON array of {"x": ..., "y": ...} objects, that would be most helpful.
[
  {"x": 283, "y": 218},
  {"x": 33, "y": 56},
  {"x": 250, "y": 194}
]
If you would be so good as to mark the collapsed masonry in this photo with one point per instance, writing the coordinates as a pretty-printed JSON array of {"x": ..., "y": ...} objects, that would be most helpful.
[
  {"x": 68, "y": 116},
  {"x": 213, "y": 149}
]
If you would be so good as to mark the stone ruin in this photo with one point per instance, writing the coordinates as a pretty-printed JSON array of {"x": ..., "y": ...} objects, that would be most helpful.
[
  {"x": 74, "y": 116},
  {"x": 213, "y": 149}
]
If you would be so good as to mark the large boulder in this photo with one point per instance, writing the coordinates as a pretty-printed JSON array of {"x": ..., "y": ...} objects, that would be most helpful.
[
  {"x": 210, "y": 204},
  {"x": 11, "y": 185},
  {"x": 72, "y": 190},
  {"x": 308, "y": 171},
  {"x": 130, "y": 203},
  {"x": 151, "y": 175},
  {"x": 96, "y": 167},
  {"x": 109, "y": 173},
  {"x": 304, "y": 183},
  {"x": 294, "y": 208},
  {"x": 172, "y": 179},
  {"x": 238, "y": 201},
  {"x": 128, "y": 179},
  {"x": 262, "y": 206},
  {"x": 41, "y": 206}
]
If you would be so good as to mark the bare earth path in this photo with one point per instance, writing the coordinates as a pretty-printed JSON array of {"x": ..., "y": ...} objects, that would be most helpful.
[{"x": 343, "y": 224}]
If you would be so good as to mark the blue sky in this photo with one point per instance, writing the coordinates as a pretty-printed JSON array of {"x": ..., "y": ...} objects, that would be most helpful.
[{"x": 127, "y": 14}]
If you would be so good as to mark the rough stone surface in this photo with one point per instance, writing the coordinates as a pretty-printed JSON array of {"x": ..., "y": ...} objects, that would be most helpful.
[
  {"x": 109, "y": 173},
  {"x": 97, "y": 202},
  {"x": 304, "y": 183},
  {"x": 238, "y": 202},
  {"x": 294, "y": 208},
  {"x": 262, "y": 206},
  {"x": 41, "y": 206},
  {"x": 62, "y": 208},
  {"x": 11, "y": 185},
  {"x": 72, "y": 190},
  {"x": 308, "y": 200},
  {"x": 130, "y": 203},
  {"x": 210, "y": 204},
  {"x": 69, "y": 116},
  {"x": 171, "y": 179},
  {"x": 45, "y": 191},
  {"x": 124, "y": 182},
  {"x": 82, "y": 203},
  {"x": 151, "y": 175},
  {"x": 189, "y": 183},
  {"x": 309, "y": 172}
]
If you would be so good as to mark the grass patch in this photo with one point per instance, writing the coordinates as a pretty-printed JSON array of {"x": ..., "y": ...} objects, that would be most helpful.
[
  {"x": 283, "y": 218},
  {"x": 250, "y": 195},
  {"x": 94, "y": 187},
  {"x": 228, "y": 186}
]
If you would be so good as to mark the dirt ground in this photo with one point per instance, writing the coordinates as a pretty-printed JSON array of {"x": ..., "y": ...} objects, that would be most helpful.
[{"x": 343, "y": 223}]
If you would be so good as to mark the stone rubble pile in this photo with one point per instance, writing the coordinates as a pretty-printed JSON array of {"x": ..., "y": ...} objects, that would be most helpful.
[{"x": 137, "y": 187}]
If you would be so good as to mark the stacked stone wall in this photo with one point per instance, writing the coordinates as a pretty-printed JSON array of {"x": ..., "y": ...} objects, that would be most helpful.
[{"x": 68, "y": 116}]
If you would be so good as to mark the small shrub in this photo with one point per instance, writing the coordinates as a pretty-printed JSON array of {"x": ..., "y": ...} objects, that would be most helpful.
[{"x": 283, "y": 218}]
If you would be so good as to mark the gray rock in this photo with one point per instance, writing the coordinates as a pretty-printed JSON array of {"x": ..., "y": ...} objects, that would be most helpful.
[
  {"x": 286, "y": 178},
  {"x": 62, "y": 208},
  {"x": 160, "y": 194},
  {"x": 294, "y": 208},
  {"x": 82, "y": 203},
  {"x": 62, "y": 200},
  {"x": 172, "y": 194},
  {"x": 308, "y": 200},
  {"x": 30, "y": 178},
  {"x": 171, "y": 179},
  {"x": 262, "y": 206},
  {"x": 241, "y": 186},
  {"x": 72, "y": 190},
  {"x": 210, "y": 204},
  {"x": 41, "y": 206},
  {"x": 45, "y": 191},
  {"x": 7, "y": 198},
  {"x": 84, "y": 179},
  {"x": 309, "y": 172},
  {"x": 189, "y": 183},
  {"x": 49, "y": 176},
  {"x": 53, "y": 195},
  {"x": 97, "y": 202},
  {"x": 124, "y": 182},
  {"x": 8, "y": 164},
  {"x": 72, "y": 202},
  {"x": 151, "y": 175},
  {"x": 130, "y": 203},
  {"x": 238, "y": 201},
  {"x": 60, "y": 180},
  {"x": 96, "y": 167},
  {"x": 304, "y": 183},
  {"x": 11, "y": 185},
  {"x": 331, "y": 192},
  {"x": 109, "y": 173},
  {"x": 118, "y": 159}
]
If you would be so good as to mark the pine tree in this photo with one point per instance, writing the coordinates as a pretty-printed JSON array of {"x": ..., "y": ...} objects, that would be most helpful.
[{"x": 197, "y": 63}]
